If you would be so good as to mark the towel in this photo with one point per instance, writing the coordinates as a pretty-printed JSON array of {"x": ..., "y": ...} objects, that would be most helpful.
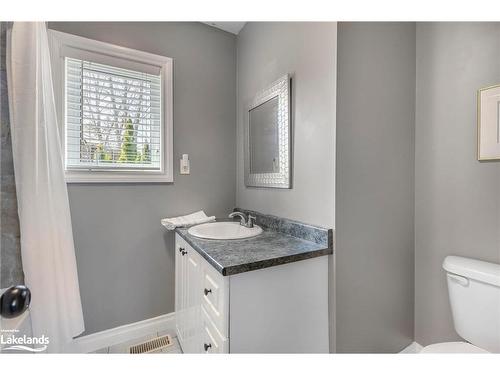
[{"x": 185, "y": 221}]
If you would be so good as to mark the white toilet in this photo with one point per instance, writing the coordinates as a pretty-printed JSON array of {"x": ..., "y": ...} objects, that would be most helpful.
[{"x": 474, "y": 289}]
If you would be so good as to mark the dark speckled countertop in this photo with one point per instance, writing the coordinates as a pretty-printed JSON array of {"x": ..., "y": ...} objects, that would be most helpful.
[{"x": 283, "y": 241}]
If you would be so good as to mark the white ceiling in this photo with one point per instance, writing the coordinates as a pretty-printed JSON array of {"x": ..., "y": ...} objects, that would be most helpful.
[{"x": 232, "y": 27}]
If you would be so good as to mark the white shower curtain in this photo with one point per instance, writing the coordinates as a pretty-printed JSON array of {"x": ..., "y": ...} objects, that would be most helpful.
[{"x": 47, "y": 246}]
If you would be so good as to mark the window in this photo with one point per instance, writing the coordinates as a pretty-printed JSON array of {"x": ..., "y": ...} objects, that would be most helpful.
[{"x": 115, "y": 107}]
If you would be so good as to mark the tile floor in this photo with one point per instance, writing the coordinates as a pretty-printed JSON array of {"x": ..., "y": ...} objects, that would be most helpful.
[{"x": 123, "y": 348}]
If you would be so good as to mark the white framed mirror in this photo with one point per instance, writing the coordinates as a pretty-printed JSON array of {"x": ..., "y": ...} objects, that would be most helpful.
[{"x": 268, "y": 137}]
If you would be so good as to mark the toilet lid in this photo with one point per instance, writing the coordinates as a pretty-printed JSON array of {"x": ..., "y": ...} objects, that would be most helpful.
[{"x": 452, "y": 347}]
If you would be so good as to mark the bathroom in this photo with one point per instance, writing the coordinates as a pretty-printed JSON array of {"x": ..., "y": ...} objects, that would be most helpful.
[{"x": 377, "y": 177}]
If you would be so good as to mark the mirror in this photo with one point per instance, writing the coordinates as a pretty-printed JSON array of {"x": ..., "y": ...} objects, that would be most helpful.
[
  {"x": 264, "y": 136},
  {"x": 267, "y": 151}
]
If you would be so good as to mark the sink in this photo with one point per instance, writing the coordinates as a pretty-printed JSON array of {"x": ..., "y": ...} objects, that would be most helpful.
[{"x": 224, "y": 230}]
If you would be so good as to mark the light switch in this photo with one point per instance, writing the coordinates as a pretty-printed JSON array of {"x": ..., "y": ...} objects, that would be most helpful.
[{"x": 185, "y": 164}]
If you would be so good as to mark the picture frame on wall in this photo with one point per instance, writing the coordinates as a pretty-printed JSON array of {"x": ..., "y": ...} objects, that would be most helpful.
[{"x": 488, "y": 123}]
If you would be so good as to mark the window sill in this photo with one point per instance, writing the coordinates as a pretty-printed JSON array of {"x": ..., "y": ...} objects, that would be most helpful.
[{"x": 96, "y": 177}]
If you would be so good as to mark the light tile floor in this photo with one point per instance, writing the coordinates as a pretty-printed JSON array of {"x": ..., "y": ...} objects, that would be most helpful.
[{"x": 123, "y": 348}]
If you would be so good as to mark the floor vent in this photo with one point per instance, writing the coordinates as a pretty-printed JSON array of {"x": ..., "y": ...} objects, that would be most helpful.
[{"x": 151, "y": 345}]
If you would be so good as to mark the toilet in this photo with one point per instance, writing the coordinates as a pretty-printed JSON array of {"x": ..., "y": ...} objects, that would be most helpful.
[{"x": 474, "y": 291}]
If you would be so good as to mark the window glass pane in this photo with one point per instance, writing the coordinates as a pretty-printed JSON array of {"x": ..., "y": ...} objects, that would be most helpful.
[{"x": 113, "y": 118}]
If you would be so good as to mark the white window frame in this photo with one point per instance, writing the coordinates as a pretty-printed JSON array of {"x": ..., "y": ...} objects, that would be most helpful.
[{"x": 61, "y": 43}]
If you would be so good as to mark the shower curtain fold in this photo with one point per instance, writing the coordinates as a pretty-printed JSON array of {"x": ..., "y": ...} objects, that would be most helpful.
[{"x": 47, "y": 246}]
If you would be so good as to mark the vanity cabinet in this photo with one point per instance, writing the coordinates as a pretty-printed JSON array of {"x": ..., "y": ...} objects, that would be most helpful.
[
  {"x": 278, "y": 309},
  {"x": 201, "y": 302}
]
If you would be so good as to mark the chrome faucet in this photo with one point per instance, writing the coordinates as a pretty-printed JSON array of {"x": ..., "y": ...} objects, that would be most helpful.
[{"x": 246, "y": 221}]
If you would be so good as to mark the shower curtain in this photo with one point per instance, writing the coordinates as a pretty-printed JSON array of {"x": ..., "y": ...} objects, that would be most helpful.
[{"x": 47, "y": 246}]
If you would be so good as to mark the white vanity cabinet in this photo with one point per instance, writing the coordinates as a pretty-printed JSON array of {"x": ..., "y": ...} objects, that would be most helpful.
[
  {"x": 279, "y": 309},
  {"x": 201, "y": 302}
]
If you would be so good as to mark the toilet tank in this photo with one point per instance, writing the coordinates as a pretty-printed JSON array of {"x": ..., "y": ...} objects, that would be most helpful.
[{"x": 474, "y": 290}]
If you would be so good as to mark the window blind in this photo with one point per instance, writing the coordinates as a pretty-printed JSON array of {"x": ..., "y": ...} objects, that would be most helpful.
[{"x": 113, "y": 118}]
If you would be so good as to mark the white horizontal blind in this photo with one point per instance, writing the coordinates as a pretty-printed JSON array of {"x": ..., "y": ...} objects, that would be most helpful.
[{"x": 113, "y": 118}]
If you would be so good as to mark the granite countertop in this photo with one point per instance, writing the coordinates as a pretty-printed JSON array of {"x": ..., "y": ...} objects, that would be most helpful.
[{"x": 276, "y": 245}]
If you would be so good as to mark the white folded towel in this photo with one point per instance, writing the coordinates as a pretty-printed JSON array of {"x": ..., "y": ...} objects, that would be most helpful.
[{"x": 184, "y": 221}]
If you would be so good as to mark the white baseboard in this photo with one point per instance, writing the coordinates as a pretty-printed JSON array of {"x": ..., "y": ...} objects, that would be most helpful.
[
  {"x": 413, "y": 348},
  {"x": 113, "y": 336}
]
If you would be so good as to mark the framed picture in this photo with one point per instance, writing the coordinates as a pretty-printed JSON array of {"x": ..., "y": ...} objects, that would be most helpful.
[{"x": 488, "y": 123}]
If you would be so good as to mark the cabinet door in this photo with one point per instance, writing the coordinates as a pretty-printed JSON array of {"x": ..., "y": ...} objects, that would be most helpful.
[
  {"x": 180, "y": 288},
  {"x": 193, "y": 301}
]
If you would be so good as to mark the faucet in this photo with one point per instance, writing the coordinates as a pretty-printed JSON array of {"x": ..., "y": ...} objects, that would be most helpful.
[{"x": 244, "y": 220}]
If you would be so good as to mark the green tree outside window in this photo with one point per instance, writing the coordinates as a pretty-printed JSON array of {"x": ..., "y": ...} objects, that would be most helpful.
[{"x": 128, "y": 153}]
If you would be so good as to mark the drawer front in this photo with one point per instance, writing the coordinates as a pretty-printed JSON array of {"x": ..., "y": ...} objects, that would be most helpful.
[
  {"x": 216, "y": 298},
  {"x": 211, "y": 293},
  {"x": 211, "y": 340}
]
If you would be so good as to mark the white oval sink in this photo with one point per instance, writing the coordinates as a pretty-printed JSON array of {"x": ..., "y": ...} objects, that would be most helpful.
[{"x": 224, "y": 230}]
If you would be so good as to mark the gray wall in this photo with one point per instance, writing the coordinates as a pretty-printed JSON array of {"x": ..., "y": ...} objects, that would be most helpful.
[
  {"x": 375, "y": 186},
  {"x": 267, "y": 51},
  {"x": 125, "y": 257},
  {"x": 307, "y": 51},
  {"x": 11, "y": 271},
  {"x": 457, "y": 209}
]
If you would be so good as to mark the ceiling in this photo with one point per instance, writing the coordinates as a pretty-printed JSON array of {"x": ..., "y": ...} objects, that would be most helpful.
[{"x": 231, "y": 27}]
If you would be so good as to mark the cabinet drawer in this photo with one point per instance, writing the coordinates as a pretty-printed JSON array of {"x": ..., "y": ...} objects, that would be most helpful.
[
  {"x": 211, "y": 340},
  {"x": 215, "y": 298}
]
